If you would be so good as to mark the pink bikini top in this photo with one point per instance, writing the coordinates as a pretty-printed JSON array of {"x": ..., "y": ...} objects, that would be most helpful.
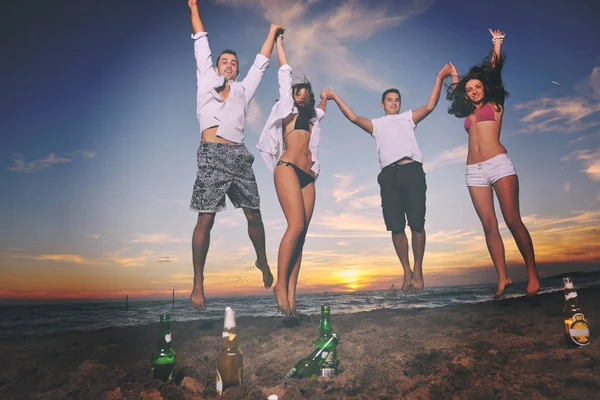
[{"x": 485, "y": 114}]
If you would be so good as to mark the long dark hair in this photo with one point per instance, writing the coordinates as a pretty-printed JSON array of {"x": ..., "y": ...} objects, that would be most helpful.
[
  {"x": 489, "y": 73},
  {"x": 308, "y": 109}
]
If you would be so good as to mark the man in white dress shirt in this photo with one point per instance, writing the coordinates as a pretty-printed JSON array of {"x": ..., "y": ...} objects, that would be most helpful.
[
  {"x": 224, "y": 162},
  {"x": 402, "y": 179}
]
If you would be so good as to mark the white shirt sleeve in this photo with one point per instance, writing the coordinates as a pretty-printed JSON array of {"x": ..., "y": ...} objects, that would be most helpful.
[
  {"x": 254, "y": 76},
  {"x": 204, "y": 65}
]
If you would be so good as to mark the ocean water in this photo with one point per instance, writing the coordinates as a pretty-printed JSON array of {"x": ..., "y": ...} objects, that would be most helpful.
[{"x": 18, "y": 319}]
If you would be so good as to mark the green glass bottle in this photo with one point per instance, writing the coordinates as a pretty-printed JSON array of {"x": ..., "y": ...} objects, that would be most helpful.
[
  {"x": 308, "y": 367},
  {"x": 163, "y": 357},
  {"x": 328, "y": 363}
]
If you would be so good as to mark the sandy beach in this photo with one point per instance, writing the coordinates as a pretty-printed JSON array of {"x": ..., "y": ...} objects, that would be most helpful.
[{"x": 513, "y": 348}]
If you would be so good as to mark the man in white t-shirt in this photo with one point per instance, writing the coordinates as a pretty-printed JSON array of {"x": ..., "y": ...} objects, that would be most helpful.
[{"x": 402, "y": 179}]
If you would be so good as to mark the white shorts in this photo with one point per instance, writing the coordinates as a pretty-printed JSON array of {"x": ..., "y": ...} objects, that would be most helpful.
[{"x": 488, "y": 172}]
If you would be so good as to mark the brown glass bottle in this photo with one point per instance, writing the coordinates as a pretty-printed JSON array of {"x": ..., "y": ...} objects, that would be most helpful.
[
  {"x": 230, "y": 368},
  {"x": 576, "y": 326}
]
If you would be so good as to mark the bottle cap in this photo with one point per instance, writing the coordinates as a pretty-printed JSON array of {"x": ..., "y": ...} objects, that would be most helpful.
[{"x": 229, "y": 318}]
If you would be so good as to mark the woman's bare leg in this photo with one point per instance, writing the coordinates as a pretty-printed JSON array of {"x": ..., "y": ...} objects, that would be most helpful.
[
  {"x": 507, "y": 190},
  {"x": 290, "y": 198},
  {"x": 483, "y": 201},
  {"x": 308, "y": 196}
]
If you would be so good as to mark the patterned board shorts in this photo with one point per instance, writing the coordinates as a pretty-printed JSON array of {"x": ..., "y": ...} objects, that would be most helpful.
[{"x": 224, "y": 169}]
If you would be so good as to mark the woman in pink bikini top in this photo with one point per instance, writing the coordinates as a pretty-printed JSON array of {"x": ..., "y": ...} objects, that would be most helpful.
[{"x": 479, "y": 98}]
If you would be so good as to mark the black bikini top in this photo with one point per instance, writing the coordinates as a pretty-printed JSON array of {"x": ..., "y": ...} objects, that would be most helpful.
[{"x": 302, "y": 123}]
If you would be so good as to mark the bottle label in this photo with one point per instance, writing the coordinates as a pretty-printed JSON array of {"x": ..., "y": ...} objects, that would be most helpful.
[
  {"x": 219, "y": 383},
  {"x": 578, "y": 329},
  {"x": 570, "y": 296},
  {"x": 168, "y": 337}
]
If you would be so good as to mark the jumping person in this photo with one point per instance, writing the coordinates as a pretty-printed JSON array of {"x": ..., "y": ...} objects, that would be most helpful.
[
  {"x": 224, "y": 162},
  {"x": 402, "y": 179},
  {"x": 479, "y": 98},
  {"x": 289, "y": 144}
]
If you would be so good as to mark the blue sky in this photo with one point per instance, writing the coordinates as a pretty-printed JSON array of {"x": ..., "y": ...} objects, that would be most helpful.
[{"x": 99, "y": 136}]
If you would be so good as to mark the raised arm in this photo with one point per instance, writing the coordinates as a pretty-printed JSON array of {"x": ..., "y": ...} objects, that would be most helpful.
[
  {"x": 454, "y": 73},
  {"x": 323, "y": 104},
  {"x": 365, "y": 123},
  {"x": 267, "y": 47},
  {"x": 261, "y": 63},
  {"x": 281, "y": 51},
  {"x": 497, "y": 39},
  {"x": 420, "y": 113},
  {"x": 197, "y": 24}
]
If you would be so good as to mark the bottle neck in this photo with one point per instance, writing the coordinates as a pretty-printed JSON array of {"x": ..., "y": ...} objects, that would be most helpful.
[
  {"x": 229, "y": 339},
  {"x": 164, "y": 337},
  {"x": 325, "y": 326},
  {"x": 570, "y": 293}
]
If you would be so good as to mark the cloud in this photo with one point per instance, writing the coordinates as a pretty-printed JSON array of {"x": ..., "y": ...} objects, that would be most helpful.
[
  {"x": 589, "y": 158},
  {"x": 20, "y": 165},
  {"x": 563, "y": 114},
  {"x": 457, "y": 155},
  {"x": 324, "y": 38},
  {"x": 72, "y": 258},
  {"x": 366, "y": 202},
  {"x": 93, "y": 236},
  {"x": 557, "y": 83},
  {"x": 342, "y": 187},
  {"x": 157, "y": 238},
  {"x": 254, "y": 117},
  {"x": 567, "y": 187},
  {"x": 584, "y": 137},
  {"x": 82, "y": 153},
  {"x": 593, "y": 82}
]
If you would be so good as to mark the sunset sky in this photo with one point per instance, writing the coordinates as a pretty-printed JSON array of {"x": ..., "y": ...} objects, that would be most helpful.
[{"x": 98, "y": 139}]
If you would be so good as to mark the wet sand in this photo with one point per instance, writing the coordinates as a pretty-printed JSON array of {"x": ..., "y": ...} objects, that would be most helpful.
[{"x": 513, "y": 348}]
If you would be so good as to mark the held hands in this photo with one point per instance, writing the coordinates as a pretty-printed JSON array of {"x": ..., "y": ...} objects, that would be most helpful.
[
  {"x": 453, "y": 71},
  {"x": 193, "y": 4},
  {"x": 446, "y": 71},
  {"x": 331, "y": 95},
  {"x": 277, "y": 30},
  {"x": 323, "y": 95}
]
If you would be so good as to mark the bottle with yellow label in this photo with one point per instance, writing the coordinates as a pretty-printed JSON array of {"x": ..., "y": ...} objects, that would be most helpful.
[
  {"x": 576, "y": 326},
  {"x": 230, "y": 368}
]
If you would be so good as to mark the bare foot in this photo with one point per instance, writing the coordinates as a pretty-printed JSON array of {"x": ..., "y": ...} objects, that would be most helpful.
[
  {"x": 197, "y": 298},
  {"x": 533, "y": 285},
  {"x": 292, "y": 303},
  {"x": 502, "y": 283},
  {"x": 283, "y": 305},
  {"x": 417, "y": 284},
  {"x": 407, "y": 283},
  {"x": 266, "y": 271}
]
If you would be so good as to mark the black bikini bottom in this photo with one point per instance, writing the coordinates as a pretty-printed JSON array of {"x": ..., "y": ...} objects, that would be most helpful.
[{"x": 303, "y": 177}]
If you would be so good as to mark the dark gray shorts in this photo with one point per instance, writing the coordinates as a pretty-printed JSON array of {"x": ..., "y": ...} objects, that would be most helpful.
[
  {"x": 224, "y": 169},
  {"x": 403, "y": 196}
]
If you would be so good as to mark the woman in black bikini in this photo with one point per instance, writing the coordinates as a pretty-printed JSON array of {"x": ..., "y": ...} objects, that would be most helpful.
[
  {"x": 479, "y": 96},
  {"x": 289, "y": 145}
]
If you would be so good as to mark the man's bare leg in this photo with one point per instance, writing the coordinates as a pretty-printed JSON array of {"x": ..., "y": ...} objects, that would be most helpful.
[
  {"x": 418, "y": 246},
  {"x": 256, "y": 231},
  {"x": 401, "y": 245},
  {"x": 200, "y": 244}
]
